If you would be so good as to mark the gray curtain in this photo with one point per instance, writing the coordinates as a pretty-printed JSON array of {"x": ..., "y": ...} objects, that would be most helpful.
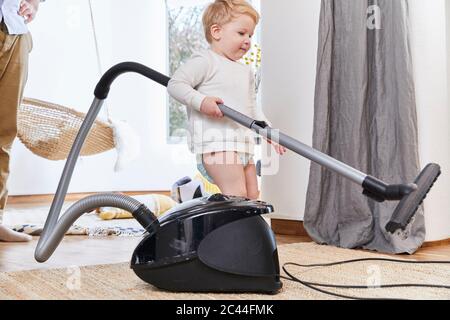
[{"x": 365, "y": 116}]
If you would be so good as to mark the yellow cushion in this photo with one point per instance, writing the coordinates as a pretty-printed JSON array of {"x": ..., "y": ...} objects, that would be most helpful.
[
  {"x": 209, "y": 187},
  {"x": 157, "y": 203}
]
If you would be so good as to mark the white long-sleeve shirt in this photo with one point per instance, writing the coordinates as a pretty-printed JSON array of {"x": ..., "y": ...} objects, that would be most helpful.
[
  {"x": 207, "y": 73},
  {"x": 9, "y": 12}
]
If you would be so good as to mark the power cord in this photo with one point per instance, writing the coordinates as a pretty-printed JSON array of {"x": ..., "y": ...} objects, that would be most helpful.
[{"x": 315, "y": 285}]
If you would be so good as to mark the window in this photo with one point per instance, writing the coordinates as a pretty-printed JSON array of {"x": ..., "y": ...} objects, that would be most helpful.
[
  {"x": 185, "y": 37},
  {"x": 185, "y": 32}
]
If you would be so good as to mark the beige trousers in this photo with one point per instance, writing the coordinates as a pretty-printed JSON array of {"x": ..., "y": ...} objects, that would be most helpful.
[{"x": 14, "y": 50}]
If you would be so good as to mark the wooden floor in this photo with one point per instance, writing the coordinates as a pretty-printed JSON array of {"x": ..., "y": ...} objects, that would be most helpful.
[{"x": 84, "y": 250}]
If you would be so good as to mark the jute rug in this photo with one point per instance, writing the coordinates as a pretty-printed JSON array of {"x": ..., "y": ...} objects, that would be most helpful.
[{"x": 118, "y": 281}]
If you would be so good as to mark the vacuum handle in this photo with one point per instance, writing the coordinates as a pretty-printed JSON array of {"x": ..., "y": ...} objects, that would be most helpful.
[{"x": 103, "y": 86}]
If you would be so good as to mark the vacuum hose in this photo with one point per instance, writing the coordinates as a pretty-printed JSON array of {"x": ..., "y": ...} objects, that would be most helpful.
[{"x": 48, "y": 242}]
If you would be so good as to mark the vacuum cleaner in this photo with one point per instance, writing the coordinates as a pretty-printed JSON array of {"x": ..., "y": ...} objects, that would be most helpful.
[{"x": 218, "y": 243}]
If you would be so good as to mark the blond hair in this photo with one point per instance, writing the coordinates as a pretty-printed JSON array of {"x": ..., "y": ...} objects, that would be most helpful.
[{"x": 221, "y": 12}]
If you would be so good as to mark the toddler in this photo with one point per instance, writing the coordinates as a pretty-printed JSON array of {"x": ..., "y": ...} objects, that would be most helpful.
[{"x": 224, "y": 149}]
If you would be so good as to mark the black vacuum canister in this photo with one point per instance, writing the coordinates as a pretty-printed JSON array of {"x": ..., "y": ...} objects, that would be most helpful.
[{"x": 211, "y": 244}]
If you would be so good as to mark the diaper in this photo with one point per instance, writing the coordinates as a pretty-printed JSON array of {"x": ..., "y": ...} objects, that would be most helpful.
[{"x": 245, "y": 159}]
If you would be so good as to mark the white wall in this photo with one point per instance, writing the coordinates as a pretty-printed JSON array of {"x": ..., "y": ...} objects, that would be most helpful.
[
  {"x": 447, "y": 18},
  {"x": 63, "y": 70},
  {"x": 289, "y": 43},
  {"x": 430, "y": 61}
]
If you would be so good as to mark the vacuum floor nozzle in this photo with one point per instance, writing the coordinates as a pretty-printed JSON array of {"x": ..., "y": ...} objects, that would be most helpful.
[{"x": 409, "y": 204}]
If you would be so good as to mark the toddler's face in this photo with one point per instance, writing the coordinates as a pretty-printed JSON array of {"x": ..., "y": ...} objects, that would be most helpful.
[{"x": 233, "y": 39}]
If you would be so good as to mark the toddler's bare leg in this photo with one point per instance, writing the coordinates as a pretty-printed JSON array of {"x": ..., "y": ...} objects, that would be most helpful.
[
  {"x": 251, "y": 181},
  {"x": 226, "y": 170}
]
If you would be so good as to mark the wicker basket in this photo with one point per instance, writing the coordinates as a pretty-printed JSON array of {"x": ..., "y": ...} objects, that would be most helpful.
[{"x": 49, "y": 130}]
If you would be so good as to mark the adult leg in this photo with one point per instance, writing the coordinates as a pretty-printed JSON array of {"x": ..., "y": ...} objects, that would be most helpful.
[{"x": 14, "y": 52}]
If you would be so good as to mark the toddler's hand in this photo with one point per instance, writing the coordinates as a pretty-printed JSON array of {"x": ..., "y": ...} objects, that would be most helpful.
[
  {"x": 278, "y": 148},
  {"x": 210, "y": 108}
]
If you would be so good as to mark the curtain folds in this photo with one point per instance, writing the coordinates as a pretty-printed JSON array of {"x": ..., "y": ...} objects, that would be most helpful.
[{"x": 365, "y": 116}]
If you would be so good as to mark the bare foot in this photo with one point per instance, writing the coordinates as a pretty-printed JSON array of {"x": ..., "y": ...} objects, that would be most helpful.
[{"x": 9, "y": 235}]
